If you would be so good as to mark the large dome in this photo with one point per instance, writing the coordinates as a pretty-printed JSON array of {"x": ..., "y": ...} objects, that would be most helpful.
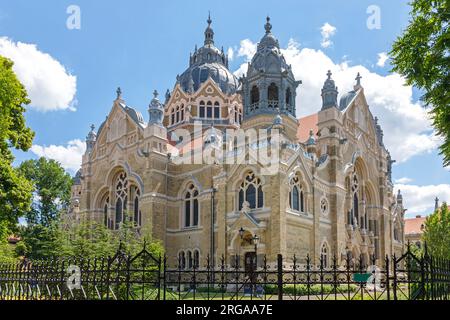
[
  {"x": 194, "y": 76},
  {"x": 208, "y": 61}
]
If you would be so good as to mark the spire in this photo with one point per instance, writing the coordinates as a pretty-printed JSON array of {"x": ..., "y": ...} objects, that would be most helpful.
[
  {"x": 436, "y": 204},
  {"x": 268, "y": 25},
  {"x": 209, "y": 33},
  {"x": 329, "y": 93}
]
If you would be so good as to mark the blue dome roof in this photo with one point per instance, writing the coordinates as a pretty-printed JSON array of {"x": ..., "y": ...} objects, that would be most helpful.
[
  {"x": 208, "y": 61},
  {"x": 346, "y": 99}
]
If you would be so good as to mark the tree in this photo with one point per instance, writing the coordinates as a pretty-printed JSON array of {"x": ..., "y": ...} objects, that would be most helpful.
[
  {"x": 51, "y": 190},
  {"x": 90, "y": 239},
  {"x": 437, "y": 232},
  {"x": 421, "y": 55},
  {"x": 51, "y": 186},
  {"x": 15, "y": 190}
]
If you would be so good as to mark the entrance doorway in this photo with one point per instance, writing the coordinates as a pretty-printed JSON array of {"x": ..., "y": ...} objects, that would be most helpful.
[{"x": 250, "y": 263}]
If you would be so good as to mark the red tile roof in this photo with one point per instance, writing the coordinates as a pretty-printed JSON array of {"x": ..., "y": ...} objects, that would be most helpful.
[
  {"x": 305, "y": 125},
  {"x": 415, "y": 225}
]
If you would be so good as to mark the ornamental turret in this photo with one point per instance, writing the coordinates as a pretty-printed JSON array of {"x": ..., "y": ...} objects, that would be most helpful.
[
  {"x": 90, "y": 139},
  {"x": 269, "y": 86},
  {"x": 329, "y": 93},
  {"x": 155, "y": 110}
]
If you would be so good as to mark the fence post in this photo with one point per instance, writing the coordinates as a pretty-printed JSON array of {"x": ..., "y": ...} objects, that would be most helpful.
[
  {"x": 394, "y": 259},
  {"x": 387, "y": 278},
  {"x": 280, "y": 276}
]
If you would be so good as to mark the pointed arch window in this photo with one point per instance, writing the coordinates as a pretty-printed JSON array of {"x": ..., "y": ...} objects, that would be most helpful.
[
  {"x": 121, "y": 192},
  {"x": 354, "y": 212},
  {"x": 182, "y": 260},
  {"x": 172, "y": 116},
  {"x": 251, "y": 191},
  {"x": 209, "y": 110},
  {"x": 272, "y": 95},
  {"x": 106, "y": 220},
  {"x": 216, "y": 110},
  {"x": 191, "y": 207},
  {"x": 196, "y": 259},
  {"x": 178, "y": 114},
  {"x": 202, "y": 109},
  {"x": 190, "y": 259},
  {"x": 288, "y": 97},
  {"x": 324, "y": 253},
  {"x": 296, "y": 195},
  {"x": 137, "y": 209},
  {"x": 254, "y": 95},
  {"x": 182, "y": 113}
]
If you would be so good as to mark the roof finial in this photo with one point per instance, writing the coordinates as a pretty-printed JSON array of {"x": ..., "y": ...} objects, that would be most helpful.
[
  {"x": 268, "y": 25},
  {"x": 329, "y": 74},
  {"x": 436, "y": 204},
  {"x": 155, "y": 94},
  {"x": 358, "y": 80},
  {"x": 209, "y": 33},
  {"x": 92, "y": 127},
  {"x": 119, "y": 93}
]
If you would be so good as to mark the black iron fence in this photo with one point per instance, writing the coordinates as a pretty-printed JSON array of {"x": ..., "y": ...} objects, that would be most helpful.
[{"x": 145, "y": 277}]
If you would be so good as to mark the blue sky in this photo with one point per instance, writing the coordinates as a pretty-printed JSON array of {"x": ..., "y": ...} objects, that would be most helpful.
[{"x": 142, "y": 45}]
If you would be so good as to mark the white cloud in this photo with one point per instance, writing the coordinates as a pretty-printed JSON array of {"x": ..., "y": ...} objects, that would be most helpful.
[
  {"x": 382, "y": 58},
  {"x": 230, "y": 53},
  {"x": 68, "y": 156},
  {"x": 406, "y": 124},
  {"x": 49, "y": 85},
  {"x": 420, "y": 199},
  {"x": 247, "y": 49},
  {"x": 327, "y": 31},
  {"x": 403, "y": 180}
]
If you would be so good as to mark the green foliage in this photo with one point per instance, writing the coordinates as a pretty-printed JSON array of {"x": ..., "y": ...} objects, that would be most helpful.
[
  {"x": 40, "y": 242},
  {"x": 421, "y": 55},
  {"x": 90, "y": 239},
  {"x": 437, "y": 232},
  {"x": 302, "y": 289},
  {"x": 52, "y": 189},
  {"x": 15, "y": 190}
]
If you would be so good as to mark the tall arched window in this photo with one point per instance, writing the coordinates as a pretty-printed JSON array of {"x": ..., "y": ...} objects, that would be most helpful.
[
  {"x": 272, "y": 95},
  {"x": 190, "y": 259},
  {"x": 137, "y": 209},
  {"x": 196, "y": 259},
  {"x": 251, "y": 191},
  {"x": 182, "y": 260},
  {"x": 288, "y": 97},
  {"x": 324, "y": 255},
  {"x": 182, "y": 112},
  {"x": 105, "y": 213},
  {"x": 354, "y": 219},
  {"x": 209, "y": 110},
  {"x": 172, "y": 116},
  {"x": 191, "y": 207},
  {"x": 355, "y": 206},
  {"x": 216, "y": 110},
  {"x": 121, "y": 198},
  {"x": 202, "y": 109},
  {"x": 254, "y": 95},
  {"x": 296, "y": 195},
  {"x": 178, "y": 114}
]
